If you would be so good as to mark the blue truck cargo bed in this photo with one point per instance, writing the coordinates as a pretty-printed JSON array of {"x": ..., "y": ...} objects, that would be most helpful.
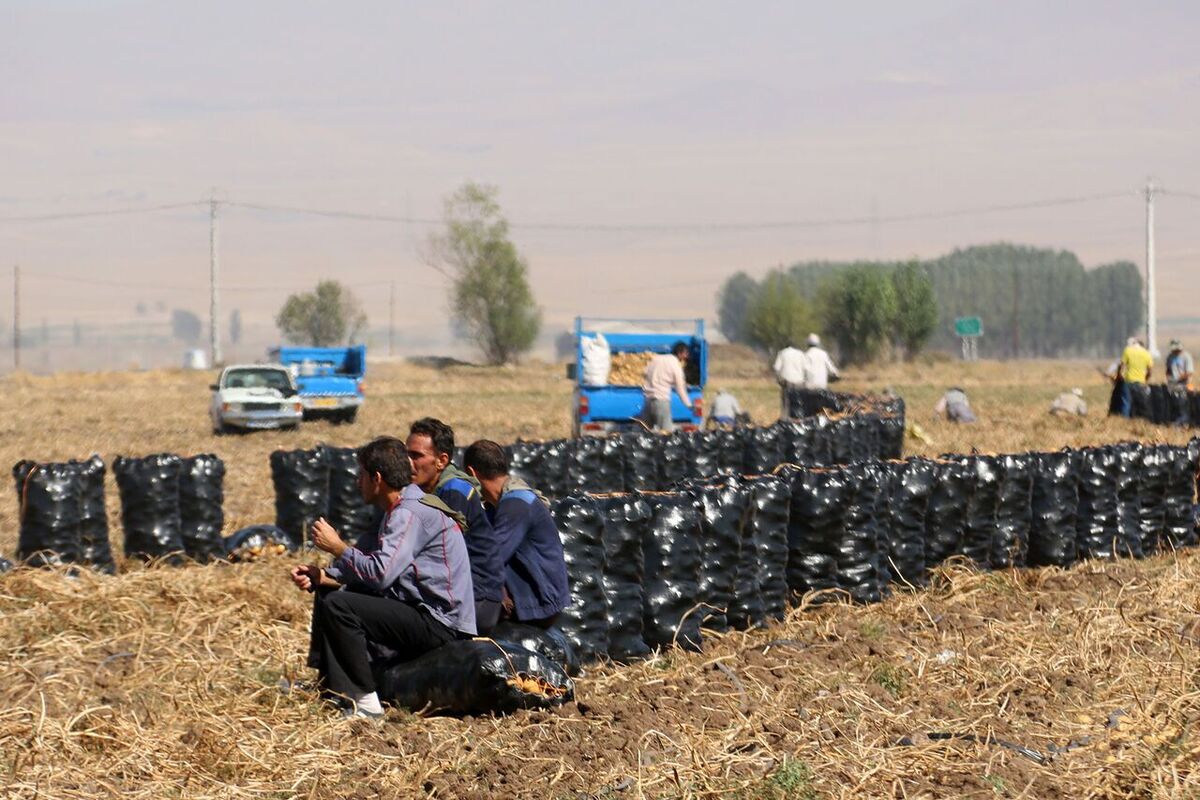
[
  {"x": 329, "y": 379},
  {"x": 599, "y": 410}
]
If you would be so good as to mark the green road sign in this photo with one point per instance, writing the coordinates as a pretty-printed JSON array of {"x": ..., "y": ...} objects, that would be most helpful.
[{"x": 968, "y": 326}]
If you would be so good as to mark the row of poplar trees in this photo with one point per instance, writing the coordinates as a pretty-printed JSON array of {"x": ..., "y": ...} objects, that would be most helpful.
[{"x": 1034, "y": 302}]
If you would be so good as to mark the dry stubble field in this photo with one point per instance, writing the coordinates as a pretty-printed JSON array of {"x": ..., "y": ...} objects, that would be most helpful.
[{"x": 162, "y": 682}]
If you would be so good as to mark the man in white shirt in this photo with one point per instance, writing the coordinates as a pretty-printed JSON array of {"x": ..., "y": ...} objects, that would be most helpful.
[
  {"x": 818, "y": 365},
  {"x": 664, "y": 373},
  {"x": 790, "y": 367}
]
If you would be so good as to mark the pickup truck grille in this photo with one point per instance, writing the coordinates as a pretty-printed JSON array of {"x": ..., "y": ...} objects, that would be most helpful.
[{"x": 261, "y": 406}]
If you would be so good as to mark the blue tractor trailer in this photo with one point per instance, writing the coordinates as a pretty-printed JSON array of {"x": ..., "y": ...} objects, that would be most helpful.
[
  {"x": 608, "y": 400},
  {"x": 329, "y": 379}
]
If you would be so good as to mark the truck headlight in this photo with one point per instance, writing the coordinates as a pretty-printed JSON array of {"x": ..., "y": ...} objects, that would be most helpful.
[{"x": 231, "y": 406}]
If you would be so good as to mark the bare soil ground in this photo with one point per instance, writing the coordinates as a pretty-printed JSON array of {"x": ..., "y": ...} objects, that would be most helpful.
[{"x": 162, "y": 682}]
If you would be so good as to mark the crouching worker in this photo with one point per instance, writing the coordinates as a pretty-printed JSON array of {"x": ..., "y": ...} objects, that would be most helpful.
[
  {"x": 406, "y": 587},
  {"x": 535, "y": 571}
]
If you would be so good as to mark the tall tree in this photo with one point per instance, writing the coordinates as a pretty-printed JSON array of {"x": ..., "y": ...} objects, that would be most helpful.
[
  {"x": 734, "y": 299},
  {"x": 778, "y": 316},
  {"x": 490, "y": 295},
  {"x": 329, "y": 315},
  {"x": 916, "y": 307},
  {"x": 858, "y": 309}
]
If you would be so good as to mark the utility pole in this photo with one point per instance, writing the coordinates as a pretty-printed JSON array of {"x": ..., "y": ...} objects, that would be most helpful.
[
  {"x": 214, "y": 328},
  {"x": 1151, "y": 300},
  {"x": 392, "y": 320},
  {"x": 17, "y": 316}
]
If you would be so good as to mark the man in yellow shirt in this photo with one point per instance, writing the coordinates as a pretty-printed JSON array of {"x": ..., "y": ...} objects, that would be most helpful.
[{"x": 1136, "y": 366}]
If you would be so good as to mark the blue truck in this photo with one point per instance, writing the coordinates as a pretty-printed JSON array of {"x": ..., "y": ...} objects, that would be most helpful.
[
  {"x": 604, "y": 408},
  {"x": 329, "y": 379}
]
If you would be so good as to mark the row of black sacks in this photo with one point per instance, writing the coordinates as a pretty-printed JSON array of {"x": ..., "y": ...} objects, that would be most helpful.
[
  {"x": 649, "y": 570},
  {"x": 1163, "y": 407},
  {"x": 171, "y": 508},
  {"x": 322, "y": 481}
]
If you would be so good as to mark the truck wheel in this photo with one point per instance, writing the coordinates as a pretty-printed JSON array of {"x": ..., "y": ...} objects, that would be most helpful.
[
  {"x": 349, "y": 415},
  {"x": 220, "y": 429}
]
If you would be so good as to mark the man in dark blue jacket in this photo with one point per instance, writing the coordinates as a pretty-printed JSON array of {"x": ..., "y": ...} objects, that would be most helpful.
[
  {"x": 535, "y": 571},
  {"x": 430, "y": 446}
]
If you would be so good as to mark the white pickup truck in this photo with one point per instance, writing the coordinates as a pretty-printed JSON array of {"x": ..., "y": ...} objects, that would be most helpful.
[{"x": 254, "y": 397}]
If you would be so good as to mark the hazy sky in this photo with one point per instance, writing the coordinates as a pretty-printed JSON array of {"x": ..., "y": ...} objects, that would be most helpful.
[{"x": 612, "y": 114}]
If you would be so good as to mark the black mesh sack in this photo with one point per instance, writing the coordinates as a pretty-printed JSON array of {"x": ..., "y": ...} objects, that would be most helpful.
[
  {"x": 980, "y": 528},
  {"x": 550, "y": 643},
  {"x": 557, "y": 466},
  {"x": 149, "y": 489},
  {"x": 201, "y": 506},
  {"x": 95, "y": 548},
  {"x": 892, "y": 431},
  {"x": 946, "y": 513},
  {"x": 626, "y": 522},
  {"x": 5, "y": 565},
  {"x": 1055, "y": 499},
  {"x": 1160, "y": 404},
  {"x": 1097, "y": 534},
  {"x": 677, "y": 455},
  {"x": 1193, "y": 405},
  {"x": 822, "y": 441},
  {"x": 816, "y": 527},
  {"x": 301, "y": 479},
  {"x": 770, "y": 509},
  {"x": 724, "y": 508},
  {"x": 763, "y": 450},
  {"x": 475, "y": 676},
  {"x": 1178, "y": 409},
  {"x": 49, "y": 497},
  {"x": 523, "y": 458},
  {"x": 1014, "y": 513},
  {"x": 796, "y": 441},
  {"x": 348, "y": 513},
  {"x": 1129, "y": 505},
  {"x": 257, "y": 541},
  {"x": 585, "y": 621},
  {"x": 643, "y": 461},
  {"x": 730, "y": 450},
  {"x": 864, "y": 436},
  {"x": 862, "y": 570},
  {"x": 612, "y": 464},
  {"x": 841, "y": 441},
  {"x": 706, "y": 454},
  {"x": 672, "y": 550},
  {"x": 911, "y": 484},
  {"x": 1152, "y": 491},
  {"x": 1180, "y": 484}
]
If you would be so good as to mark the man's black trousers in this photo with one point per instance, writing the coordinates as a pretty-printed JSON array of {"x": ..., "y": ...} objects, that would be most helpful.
[{"x": 344, "y": 622}]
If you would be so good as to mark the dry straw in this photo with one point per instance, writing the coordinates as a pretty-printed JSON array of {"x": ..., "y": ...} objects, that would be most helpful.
[{"x": 163, "y": 682}]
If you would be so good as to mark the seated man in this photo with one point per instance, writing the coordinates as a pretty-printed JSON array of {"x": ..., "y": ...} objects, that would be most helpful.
[
  {"x": 430, "y": 446},
  {"x": 406, "y": 586},
  {"x": 535, "y": 571}
]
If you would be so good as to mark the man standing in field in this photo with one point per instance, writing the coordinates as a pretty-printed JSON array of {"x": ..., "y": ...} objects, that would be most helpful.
[
  {"x": 818, "y": 366},
  {"x": 1180, "y": 367},
  {"x": 790, "y": 367},
  {"x": 1136, "y": 366},
  {"x": 535, "y": 569},
  {"x": 430, "y": 446},
  {"x": 406, "y": 586},
  {"x": 663, "y": 375}
]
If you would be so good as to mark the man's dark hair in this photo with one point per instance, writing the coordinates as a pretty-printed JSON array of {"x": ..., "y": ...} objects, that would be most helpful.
[
  {"x": 487, "y": 459},
  {"x": 680, "y": 348},
  {"x": 439, "y": 433},
  {"x": 388, "y": 456}
]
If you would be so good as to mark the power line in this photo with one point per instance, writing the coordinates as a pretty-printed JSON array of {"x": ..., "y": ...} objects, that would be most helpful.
[
  {"x": 703, "y": 226},
  {"x": 1177, "y": 193},
  {"x": 115, "y": 212}
]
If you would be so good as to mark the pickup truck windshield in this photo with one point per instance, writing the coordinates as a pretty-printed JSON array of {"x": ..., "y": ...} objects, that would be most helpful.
[{"x": 258, "y": 379}]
